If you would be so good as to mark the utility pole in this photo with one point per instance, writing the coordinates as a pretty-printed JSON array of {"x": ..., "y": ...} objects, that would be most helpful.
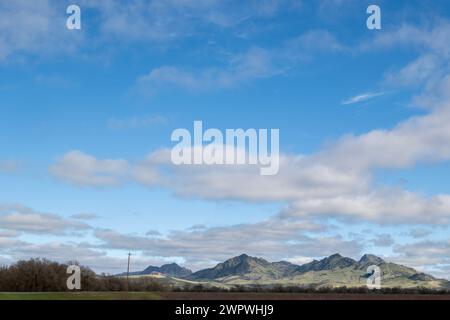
[{"x": 128, "y": 271}]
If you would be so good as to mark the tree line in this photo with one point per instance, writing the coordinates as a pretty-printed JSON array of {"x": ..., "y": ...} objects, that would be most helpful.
[
  {"x": 41, "y": 275},
  {"x": 308, "y": 289}
]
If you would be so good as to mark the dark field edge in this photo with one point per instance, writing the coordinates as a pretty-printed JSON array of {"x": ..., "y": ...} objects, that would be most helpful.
[
  {"x": 211, "y": 296},
  {"x": 165, "y": 309}
]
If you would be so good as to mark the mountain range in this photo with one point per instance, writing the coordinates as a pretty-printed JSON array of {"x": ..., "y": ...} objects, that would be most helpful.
[
  {"x": 169, "y": 270},
  {"x": 333, "y": 271}
]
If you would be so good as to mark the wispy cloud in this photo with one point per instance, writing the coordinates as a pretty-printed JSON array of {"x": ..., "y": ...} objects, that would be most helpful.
[
  {"x": 136, "y": 122},
  {"x": 85, "y": 216},
  {"x": 34, "y": 27},
  {"x": 363, "y": 97},
  {"x": 255, "y": 63},
  {"x": 9, "y": 166},
  {"x": 167, "y": 20}
]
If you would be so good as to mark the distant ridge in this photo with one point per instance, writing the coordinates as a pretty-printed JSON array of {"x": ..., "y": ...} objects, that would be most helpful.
[
  {"x": 171, "y": 270},
  {"x": 244, "y": 265},
  {"x": 369, "y": 259},
  {"x": 332, "y": 271},
  {"x": 332, "y": 262}
]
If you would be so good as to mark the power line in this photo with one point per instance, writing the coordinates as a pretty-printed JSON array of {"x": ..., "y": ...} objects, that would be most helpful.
[{"x": 128, "y": 270}]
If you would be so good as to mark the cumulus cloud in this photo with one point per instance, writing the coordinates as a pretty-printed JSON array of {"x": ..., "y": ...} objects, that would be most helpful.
[
  {"x": 381, "y": 206},
  {"x": 383, "y": 240},
  {"x": 8, "y": 233},
  {"x": 272, "y": 239},
  {"x": 336, "y": 182},
  {"x": 419, "y": 233},
  {"x": 17, "y": 221},
  {"x": 427, "y": 256},
  {"x": 20, "y": 219},
  {"x": 98, "y": 260},
  {"x": 299, "y": 177},
  {"x": 7, "y": 243},
  {"x": 82, "y": 169},
  {"x": 329, "y": 182},
  {"x": 415, "y": 140}
]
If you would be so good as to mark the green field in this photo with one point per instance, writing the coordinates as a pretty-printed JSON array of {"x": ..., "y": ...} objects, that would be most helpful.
[
  {"x": 183, "y": 296},
  {"x": 80, "y": 296}
]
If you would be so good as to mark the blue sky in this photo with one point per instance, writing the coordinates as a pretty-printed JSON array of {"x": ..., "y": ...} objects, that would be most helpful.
[{"x": 86, "y": 118}]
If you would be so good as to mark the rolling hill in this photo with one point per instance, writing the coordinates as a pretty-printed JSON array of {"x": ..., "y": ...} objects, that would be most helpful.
[
  {"x": 333, "y": 271},
  {"x": 170, "y": 270}
]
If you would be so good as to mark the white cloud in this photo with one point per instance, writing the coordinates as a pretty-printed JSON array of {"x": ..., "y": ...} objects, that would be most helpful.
[
  {"x": 381, "y": 206},
  {"x": 33, "y": 27},
  {"x": 362, "y": 97},
  {"x": 426, "y": 256},
  {"x": 136, "y": 122},
  {"x": 335, "y": 181},
  {"x": 98, "y": 260},
  {"x": 20, "y": 219},
  {"x": 415, "y": 140},
  {"x": 84, "y": 170},
  {"x": 166, "y": 20},
  {"x": 271, "y": 239},
  {"x": 419, "y": 233},
  {"x": 8, "y": 243},
  {"x": 432, "y": 38},
  {"x": 8, "y": 233},
  {"x": 429, "y": 69},
  {"x": 9, "y": 166},
  {"x": 256, "y": 63},
  {"x": 38, "y": 27},
  {"x": 85, "y": 216},
  {"x": 416, "y": 73},
  {"x": 299, "y": 260},
  {"x": 383, "y": 240},
  {"x": 310, "y": 43},
  {"x": 253, "y": 64}
]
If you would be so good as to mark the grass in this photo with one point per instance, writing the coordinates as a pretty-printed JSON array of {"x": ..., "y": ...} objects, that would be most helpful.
[
  {"x": 52, "y": 296},
  {"x": 79, "y": 296}
]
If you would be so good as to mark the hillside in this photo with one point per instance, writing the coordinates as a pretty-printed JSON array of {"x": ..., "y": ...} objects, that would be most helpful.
[
  {"x": 170, "y": 270},
  {"x": 332, "y": 271}
]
